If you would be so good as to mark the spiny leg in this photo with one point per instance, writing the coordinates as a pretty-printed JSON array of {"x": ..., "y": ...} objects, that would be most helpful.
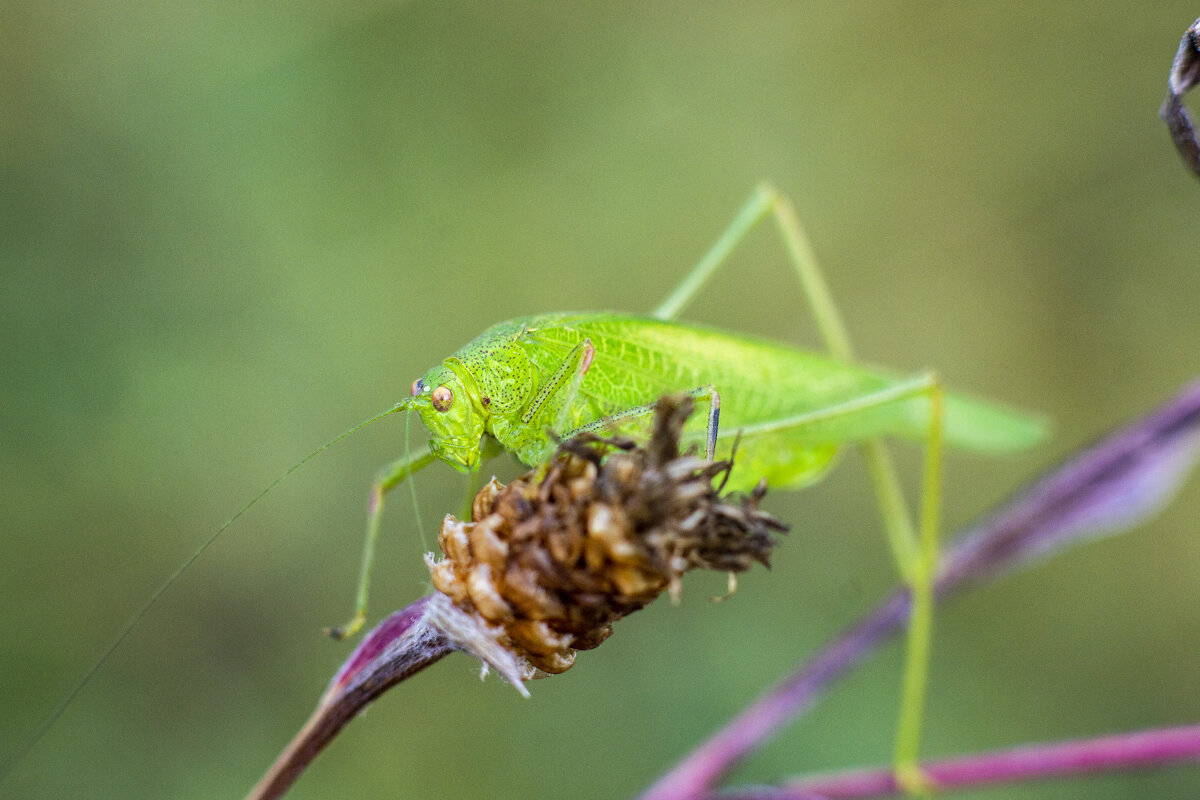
[
  {"x": 387, "y": 479},
  {"x": 567, "y": 381},
  {"x": 706, "y": 394},
  {"x": 569, "y": 375},
  {"x": 908, "y": 551}
]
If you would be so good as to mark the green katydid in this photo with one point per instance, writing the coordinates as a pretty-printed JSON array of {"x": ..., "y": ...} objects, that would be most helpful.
[
  {"x": 790, "y": 411},
  {"x": 522, "y": 383}
]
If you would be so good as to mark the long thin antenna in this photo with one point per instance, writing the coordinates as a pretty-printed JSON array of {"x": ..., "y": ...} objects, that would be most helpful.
[{"x": 32, "y": 739}]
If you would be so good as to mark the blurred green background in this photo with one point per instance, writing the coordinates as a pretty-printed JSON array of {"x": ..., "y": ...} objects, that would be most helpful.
[{"x": 232, "y": 230}]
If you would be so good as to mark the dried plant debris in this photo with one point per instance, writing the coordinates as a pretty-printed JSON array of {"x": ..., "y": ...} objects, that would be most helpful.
[{"x": 550, "y": 561}]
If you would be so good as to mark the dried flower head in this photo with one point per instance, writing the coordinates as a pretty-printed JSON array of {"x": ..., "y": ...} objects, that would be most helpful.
[{"x": 550, "y": 561}]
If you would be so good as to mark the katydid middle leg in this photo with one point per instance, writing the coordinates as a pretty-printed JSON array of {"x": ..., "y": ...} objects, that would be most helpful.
[
  {"x": 915, "y": 554},
  {"x": 707, "y": 394},
  {"x": 569, "y": 377}
]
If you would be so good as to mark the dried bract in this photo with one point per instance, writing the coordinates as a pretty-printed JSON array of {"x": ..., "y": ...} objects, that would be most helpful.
[{"x": 550, "y": 561}]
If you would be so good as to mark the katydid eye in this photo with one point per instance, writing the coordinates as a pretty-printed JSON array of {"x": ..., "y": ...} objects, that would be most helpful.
[
  {"x": 442, "y": 398},
  {"x": 417, "y": 387}
]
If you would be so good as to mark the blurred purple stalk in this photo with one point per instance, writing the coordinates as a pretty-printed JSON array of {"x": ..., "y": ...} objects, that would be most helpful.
[
  {"x": 1111, "y": 486},
  {"x": 1142, "y": 749},
  {"x": 400, "y": 646}
]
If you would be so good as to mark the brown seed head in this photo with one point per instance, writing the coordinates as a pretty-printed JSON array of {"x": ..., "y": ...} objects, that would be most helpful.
[{"x": 550, "y": 561}]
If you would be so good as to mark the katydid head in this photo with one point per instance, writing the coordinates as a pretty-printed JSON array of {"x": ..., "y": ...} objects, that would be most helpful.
[{"x": 454, "y": 416}]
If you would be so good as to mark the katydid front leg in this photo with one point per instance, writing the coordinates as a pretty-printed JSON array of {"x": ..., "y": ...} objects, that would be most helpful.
[{"x": 387, "y": 479}]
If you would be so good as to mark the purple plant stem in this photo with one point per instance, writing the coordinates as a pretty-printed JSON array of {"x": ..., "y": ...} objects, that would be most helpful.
[
  {"x": 400, "y": 646},
  {"x": 795, "y": 695},
  {"x": 1128, "y": 751},
  {"x": 1110, "y": 486}
]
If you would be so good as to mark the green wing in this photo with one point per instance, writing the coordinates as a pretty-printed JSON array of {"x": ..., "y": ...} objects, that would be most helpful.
[
  {"x": 990, "y": 427},
  {"x": 773, "y": 395}
]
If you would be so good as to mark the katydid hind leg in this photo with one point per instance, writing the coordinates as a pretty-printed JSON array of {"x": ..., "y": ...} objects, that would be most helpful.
[
  {"x": 767, "y": 201},
  {"x": 751, "y": 213},
  {"x": 387, "y": 479},
  {"x": 915, "y": 558},
  {"x": 922, "y": 577}
]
